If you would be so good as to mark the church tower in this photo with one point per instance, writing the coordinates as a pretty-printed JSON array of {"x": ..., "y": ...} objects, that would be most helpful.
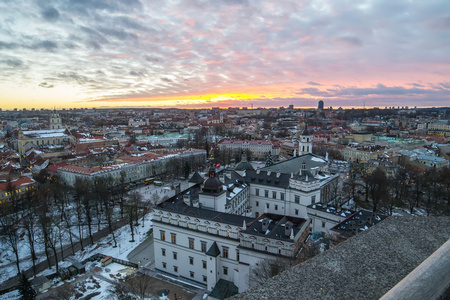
[
  {"x": 305, "y": 143},
  {"x": 55, "y": 121}
]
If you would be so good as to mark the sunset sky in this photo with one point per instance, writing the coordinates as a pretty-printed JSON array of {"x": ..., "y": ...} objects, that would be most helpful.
[{"x": 86, "y": 53}]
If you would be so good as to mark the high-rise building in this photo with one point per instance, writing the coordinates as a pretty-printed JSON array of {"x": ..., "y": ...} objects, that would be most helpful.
[{"x": 320, "y": 106}]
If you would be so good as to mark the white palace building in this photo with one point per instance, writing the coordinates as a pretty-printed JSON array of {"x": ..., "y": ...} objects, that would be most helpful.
[{"x": 217, "y": 231}]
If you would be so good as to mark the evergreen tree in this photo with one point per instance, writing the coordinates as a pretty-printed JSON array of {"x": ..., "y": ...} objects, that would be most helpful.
[
  {"x": 25, "y": 289},
  {"x": 187, "y": 170},
  {"x": 269, "y": 160},
  {"x": 207, "y": 149}
]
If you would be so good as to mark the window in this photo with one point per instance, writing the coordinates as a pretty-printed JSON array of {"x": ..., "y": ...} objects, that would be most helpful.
[
  {"x": 266, "y": 193},
  {"x": 274, "y": 195},
  {"x": 313, "y": 199},
  {"x": 257, "y": 192},
  {"x": 191, "y": 274},
  {"x": 297, "y": 199},
  {"x": 191, "y": 243},
  {"x": 282, "y": 196},
  {"x": 296, "y": 212},
  {"x": 225, "y": 271},
  {"x": 203, "y": 246},
  {"x": 163, "y": 251},
  {"x": 225, "y": 252},
  {"x": 175, "y": 255},
  {"x": 191, "y": 260},
  {"x": 237, "y": 255},
  {"x": 175, "y": 269},
  {"x": 174, "y": 238},
  {"x": 276, "y": 207},
  {"x": 164, "y": 265},
  {"x": 323, "y": 224},
  {"x": 204, "y": 264},
  {"x": 257, "y": 203},
  {"x": 163, "y": 235},
  {"x": 267, "y": 205},
  {"x": 205, "y": 279}
]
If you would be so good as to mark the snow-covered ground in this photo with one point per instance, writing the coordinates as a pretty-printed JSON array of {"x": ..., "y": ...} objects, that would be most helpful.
[
  {"x": 104, "y": 246},
  {"x": 151, "y": 192},
  {"x": 123, "y": 236},
  {"x": 7, "y": 257}
]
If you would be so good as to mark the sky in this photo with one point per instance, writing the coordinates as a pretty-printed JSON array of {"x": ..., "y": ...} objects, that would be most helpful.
[{"x": 221, "y": 53}]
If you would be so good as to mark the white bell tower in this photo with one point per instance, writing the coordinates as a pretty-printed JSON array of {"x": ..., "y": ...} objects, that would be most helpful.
[
  {"x": 305, "y": 143},
  {"x": 55, "y": 121}
]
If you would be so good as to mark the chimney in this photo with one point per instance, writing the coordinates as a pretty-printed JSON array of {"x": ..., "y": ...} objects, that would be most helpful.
[
  {"x": 269, "y": 172},
  {"x": 258, "y": 171},
  {"x": 292, "y": 234},
  {"x": 278, "y": 174},
  {"x": 244, "y": 226},
  {"x": 287, "y": 228},
  {"x": 187, "y": 200},
  {"x": 265, "y": 225},
  {"x": 326, "y": 156},
  {"x": 292, "y": 174}
]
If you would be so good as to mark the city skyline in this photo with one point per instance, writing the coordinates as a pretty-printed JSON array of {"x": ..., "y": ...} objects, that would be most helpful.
[{"x": 195, "y": 54}]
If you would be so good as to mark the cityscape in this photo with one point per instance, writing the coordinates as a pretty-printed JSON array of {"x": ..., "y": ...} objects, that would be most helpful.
[
  {"x": 212, "y": 203},
  {"x": 226, "y": 149}
]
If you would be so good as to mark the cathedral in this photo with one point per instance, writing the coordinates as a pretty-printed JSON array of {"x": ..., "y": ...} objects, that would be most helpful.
[{"x": 56, "y": 135}]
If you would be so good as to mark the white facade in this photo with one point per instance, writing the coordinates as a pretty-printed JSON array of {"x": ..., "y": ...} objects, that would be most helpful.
[
  {"x": 205, "y": 249},
  {"x": 324, "y": 218},
  {"x": 290, "y": 196},
  {"x": 185, "y": 256},
  {"x": 214, "y": 240},
  {"x": 305, "y": 143},
  {"x": 258, "y": 148},
  {"x": 133, "y": 170}
]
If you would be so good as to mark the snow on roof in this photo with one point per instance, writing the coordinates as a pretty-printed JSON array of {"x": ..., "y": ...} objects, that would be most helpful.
[
  {"x": 17, "y": 183},
  {"x": 317, "y": 159}
]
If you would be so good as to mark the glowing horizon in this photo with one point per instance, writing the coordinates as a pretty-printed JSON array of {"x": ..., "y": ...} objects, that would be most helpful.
[{"x": 199, "y": 54}]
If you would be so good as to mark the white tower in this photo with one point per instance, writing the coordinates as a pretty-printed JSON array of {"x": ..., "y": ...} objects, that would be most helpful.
[
  {"x": 305, "y": 143},
  {"x": 55, "y": 121}
]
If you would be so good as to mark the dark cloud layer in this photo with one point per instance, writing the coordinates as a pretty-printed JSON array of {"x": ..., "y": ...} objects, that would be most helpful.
[
  {"x": 50, "y": 14},
  {"x": 332, "y": 49}
]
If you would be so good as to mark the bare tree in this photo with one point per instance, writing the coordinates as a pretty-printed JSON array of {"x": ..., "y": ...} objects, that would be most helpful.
[
  {"x": 154, "y": 199},
  {"x": 48, "y": 228},
  {"x": 29, "y": 221},
  {"x": 268, "y": 268},
  {"x": 414, "y": 197},
  {"x": 377, "y": 187},
  {"x": 9, "y": 233},
  {"x": 139, "y": 285},
  {"x": 132, "y": 205},
  {"x": 351, "y": 184}
]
